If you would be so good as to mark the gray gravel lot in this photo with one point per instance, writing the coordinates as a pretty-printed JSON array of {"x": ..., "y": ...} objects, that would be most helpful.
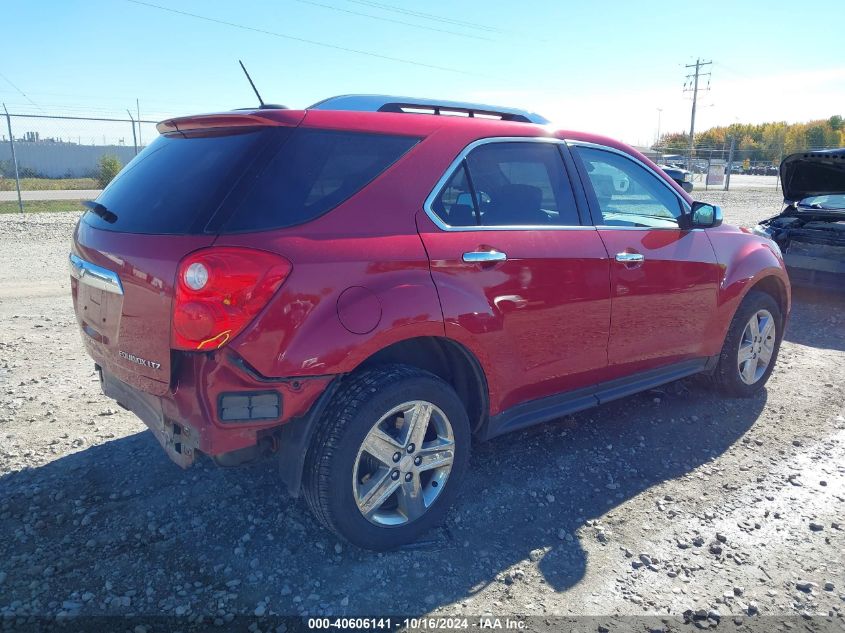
[{"x": 666, "y": 502}]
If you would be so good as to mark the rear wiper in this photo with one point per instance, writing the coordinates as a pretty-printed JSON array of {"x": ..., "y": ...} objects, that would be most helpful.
[{"x": 100, "y": 210}]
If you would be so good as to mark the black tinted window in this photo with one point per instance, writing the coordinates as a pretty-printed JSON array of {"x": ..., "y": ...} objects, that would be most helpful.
[
  {"x": 313, "y": 172},
  {"x": 176, "y": 183},
  {"x": 521, "y": 184},
  {"x": 627, "y": 193},
  {"x": 454, "y": 204}
]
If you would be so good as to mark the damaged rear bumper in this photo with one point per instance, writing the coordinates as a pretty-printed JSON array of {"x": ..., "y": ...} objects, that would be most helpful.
[
  {"x": 216, "y": 405},
  {"x": 179, "y": 441}
]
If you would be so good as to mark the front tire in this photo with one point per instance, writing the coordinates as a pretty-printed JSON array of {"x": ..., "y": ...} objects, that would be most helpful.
[
  {"x": 751, "y": 346},
  {"x": 387, "y": 457}
]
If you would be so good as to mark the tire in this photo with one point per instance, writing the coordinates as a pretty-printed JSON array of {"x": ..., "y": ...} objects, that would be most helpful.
[
  {"x": 728, "y": 375},
  {"x": 340, "y": 473}
]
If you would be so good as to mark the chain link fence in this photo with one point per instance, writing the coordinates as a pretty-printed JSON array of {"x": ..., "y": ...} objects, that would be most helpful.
[
  {"x": 50, "y": 163},
  {"x": 725, "y": 168}
]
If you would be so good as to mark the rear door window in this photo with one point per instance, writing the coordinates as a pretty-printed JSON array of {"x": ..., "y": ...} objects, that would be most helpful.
[
  {"x": 514, "y": 184},
  {"x": 454, "y": 204},
  {"x": 313, "y": 172}
]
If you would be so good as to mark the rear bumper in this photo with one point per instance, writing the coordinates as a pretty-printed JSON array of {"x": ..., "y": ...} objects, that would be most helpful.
[
  {"x": 188, "y": 418},
  {"x": 179, "y": 441}
]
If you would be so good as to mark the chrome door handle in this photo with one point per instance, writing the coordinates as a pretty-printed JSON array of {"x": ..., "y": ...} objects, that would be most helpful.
[
  {"x": 629, "y": 258},
  {"x": 484, "y": 257}
]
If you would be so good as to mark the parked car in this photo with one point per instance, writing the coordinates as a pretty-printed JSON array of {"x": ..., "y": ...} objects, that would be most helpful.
[
  {"x": 810, "y": 230},
  {"x": 359, "y": 289},
  {"x": 680, "y": 176}
]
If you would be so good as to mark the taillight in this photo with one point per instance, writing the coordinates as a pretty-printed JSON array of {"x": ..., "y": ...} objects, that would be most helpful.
[{"x": 219, "y": 290}]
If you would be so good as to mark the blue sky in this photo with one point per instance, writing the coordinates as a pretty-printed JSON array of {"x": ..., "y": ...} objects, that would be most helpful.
[{"x": 599, "y": 66}]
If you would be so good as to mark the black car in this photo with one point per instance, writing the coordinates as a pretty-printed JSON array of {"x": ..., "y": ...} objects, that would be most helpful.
[
  {"x": 680, "y": 176},
  {"x": 810, "y": 230}
]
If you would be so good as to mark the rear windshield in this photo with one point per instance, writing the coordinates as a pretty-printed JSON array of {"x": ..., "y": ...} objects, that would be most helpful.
[
  {"x": 176, "y": 184},
  {"x": 246, "y": 181}
]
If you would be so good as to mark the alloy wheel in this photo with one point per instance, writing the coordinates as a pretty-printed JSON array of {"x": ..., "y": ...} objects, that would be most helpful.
[
  {"x": 403, "y": 464},
  {"x": 756, "y": 346}
]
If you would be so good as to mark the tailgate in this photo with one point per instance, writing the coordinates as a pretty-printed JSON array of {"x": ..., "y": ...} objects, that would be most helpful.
[{"x": 122, "y": 285}]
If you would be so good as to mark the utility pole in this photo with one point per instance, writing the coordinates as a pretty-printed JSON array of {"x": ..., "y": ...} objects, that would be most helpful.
[
  {"x": 659, "y": 113},
  {"x": 138, "y": 110},
  {"x": 692, "y": 78},
  {"x": 134, "y": 137},
  {"x": 730, "y": 164},
  {"x": 14, "y": 158}
]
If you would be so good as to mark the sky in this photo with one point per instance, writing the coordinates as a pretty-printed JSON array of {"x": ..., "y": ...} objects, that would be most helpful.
[{"x": 611, "y": 67}]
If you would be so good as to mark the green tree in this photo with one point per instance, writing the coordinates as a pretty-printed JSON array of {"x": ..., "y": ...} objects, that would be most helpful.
[
  {"x": 107, "y": 168},
  {"x": 765, "y": 141},
  {"x": 773, "y": 140},
  {"x": 816, "y": 135},
  {"x": 675, "y": 141}
]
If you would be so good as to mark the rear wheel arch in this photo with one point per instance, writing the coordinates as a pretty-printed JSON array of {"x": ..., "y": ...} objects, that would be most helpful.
[{"x": 447, "y": 359}]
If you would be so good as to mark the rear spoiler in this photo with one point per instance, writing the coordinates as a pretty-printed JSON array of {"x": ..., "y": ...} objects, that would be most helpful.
[{"x": 252, "y": 118}]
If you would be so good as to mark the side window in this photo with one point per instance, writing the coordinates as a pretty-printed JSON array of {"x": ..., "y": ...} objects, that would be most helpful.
[
  {"x": 313, "y": 172},
  {"x": 521, "y": 184},
  {"x": 627, "y": 193},
  {"x": 454, "y": 204},
  {"x": 509, "y": 184}
]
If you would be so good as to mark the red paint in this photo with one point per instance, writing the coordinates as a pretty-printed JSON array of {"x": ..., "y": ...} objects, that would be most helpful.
[
  {"x": 662, "y": 306},
  {"x": 539, "y": 320},
  {"x": 559, "y": 314},
  {"x": 359, "y": 310}
]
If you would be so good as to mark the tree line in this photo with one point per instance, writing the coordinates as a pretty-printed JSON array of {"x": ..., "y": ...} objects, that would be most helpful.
[{"x": 762, "y": 141}]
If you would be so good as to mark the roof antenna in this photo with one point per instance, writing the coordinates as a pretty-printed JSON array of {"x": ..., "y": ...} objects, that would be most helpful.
[{"x": 260, "y": 100}]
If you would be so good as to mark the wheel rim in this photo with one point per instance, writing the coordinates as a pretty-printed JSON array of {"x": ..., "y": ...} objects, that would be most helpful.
[
  {"x": 756, "y": 347},
  {"x": 403, "y": 464}
]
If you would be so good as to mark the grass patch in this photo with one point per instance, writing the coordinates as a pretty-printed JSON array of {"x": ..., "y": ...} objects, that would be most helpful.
[
  {"x": 49, "y": 184},
  {"x": 41, "y": 206}
]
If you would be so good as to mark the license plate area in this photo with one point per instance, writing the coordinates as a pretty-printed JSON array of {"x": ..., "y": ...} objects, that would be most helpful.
[{"x": 99, "y": 298}]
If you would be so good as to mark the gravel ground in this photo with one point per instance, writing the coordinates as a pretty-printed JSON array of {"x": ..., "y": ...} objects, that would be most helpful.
[{"x": 668, "y": 502}]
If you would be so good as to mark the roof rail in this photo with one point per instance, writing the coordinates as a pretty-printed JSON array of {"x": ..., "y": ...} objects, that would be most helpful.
[{"x": 411, "y": 105}]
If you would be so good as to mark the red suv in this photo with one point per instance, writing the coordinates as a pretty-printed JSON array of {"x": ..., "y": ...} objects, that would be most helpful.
[{"x": 363, "y": 287}]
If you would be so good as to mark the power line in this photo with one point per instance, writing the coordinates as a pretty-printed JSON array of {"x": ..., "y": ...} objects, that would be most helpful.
[
  {"x": 299, "y": 39},
  {"x": 391, "y": 20},
  {"x": 9, "y": 81},
  {"x": 428, "y": 16},
  {"x": 692, "y": 79}
]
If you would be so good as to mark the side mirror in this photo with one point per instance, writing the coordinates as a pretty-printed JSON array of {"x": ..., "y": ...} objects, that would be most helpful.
[{"x": 702, "y": 216}]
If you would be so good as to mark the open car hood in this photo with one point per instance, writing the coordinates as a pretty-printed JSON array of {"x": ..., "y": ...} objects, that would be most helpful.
[{"x": 813, "y": 174}]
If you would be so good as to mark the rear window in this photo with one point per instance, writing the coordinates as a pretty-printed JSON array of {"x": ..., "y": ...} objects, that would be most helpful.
[
  {"x": 176, "y": 184},
  {"x": 248, "y": 180},
  {"x": 313, "y": 172}
]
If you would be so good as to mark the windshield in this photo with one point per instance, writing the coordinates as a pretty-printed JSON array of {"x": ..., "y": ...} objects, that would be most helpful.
[{"x": 829, "y": 201}]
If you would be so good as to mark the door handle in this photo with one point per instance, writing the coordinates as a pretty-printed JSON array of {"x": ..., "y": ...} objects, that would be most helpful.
[
  {"x": 630, "y": 258},
  {"x": 484, "y": 257}
]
